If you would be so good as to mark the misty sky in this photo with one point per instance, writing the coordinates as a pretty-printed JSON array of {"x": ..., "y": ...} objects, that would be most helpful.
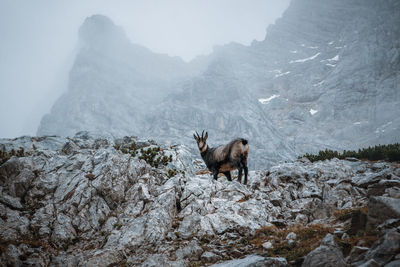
[{"x": 37, "y": 41}]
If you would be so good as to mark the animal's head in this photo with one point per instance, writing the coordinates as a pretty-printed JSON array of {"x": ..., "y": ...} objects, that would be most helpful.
[{"x": 201, "y": 141}]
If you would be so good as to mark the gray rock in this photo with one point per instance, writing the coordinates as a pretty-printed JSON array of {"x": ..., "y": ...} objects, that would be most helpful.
[
  {"x": 210, "y": 257},
  {"x": 291, "y": 235},
  {"x": 327, "y": 254},
  {"x": 191, "y": 251},
  {"x": 105, "y": 258},
  {"x": 357, "y": 253},
  {"x": 381, "y": 209},
  {"x": 394, "y": 263},
  {"x": 267, "y": 245},
  {"x": 253, "y": 261},
  {"x": 370, "y": 263},
  {"x": 10, "y": 201},
  {"x": 383, "y": 250}
]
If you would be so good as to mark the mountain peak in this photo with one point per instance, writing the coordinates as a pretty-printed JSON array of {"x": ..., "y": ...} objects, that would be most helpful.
[{"x": 99, "y": 29}]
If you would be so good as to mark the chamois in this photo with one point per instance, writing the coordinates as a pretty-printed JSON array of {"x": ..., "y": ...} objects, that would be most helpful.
[{"x": 225, "y": 158}]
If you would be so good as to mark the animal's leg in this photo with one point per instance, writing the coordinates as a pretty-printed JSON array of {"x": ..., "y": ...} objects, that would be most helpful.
[
  {"x": 215, "y": 174},
  {"x": 228, "y": 175},
  {"x": 246, "y": 171},
  {"x": 240, "y": 174}
]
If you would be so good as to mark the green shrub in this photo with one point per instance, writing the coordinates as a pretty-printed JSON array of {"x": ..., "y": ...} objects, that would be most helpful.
[
  {"x": 4, "y": 155},
  {"x": 155, "y": 157}
]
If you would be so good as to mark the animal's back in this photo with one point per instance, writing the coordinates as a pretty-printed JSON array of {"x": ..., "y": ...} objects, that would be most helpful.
[
  {"x": 235, "y": 148},
  {"x": 240, "y": 147}
]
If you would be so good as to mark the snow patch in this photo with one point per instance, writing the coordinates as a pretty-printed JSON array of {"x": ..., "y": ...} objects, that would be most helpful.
[
  {"x": 330, "y": 65},
  {"x": 335, "y": 58},
  {"x": 305, "y": 59},
  {"x": 318, "y": 84},
  {"x": 281, "y": 74},
  {"x": 357, "y": 123},
  {"x": 293, "y": 51},
  {"x": 266, "y": 100},
  {"x": 382, "y": 128},
  {"x": 275, "y": 71},
  {"x": 313, "y": 111},
  {"x": 331, "y": 43},
  {"x": 338, "y": 47},
  {"x": 313, "y": 47}
]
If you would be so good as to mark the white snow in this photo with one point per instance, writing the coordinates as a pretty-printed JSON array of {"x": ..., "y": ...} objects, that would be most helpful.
[
  {"x": 331, "y": 43},
  {"x": 293, "y": 51},
  {"x": 281, "y": 74},
  {"x": 335, "y": 58},
  {"x": 305, "y": 59},
  {"x": 313, "y": 111},
  {"x": 266, "y": 100},
  {"x": 318, "y": 84},
  {"x": 381, "y": 128},
  {"x": 338, "y": 47},
  {"x": 313, "y": 47},
  {"x": 331, "y": 65},
  {"x": 275, "y": 71},
  {"x": 357, "y": 123}
]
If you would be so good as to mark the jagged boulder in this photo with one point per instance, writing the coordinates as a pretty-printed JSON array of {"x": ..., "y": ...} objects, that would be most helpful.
[
  {"x": 327, "y": 254},
  {"x": 381, "y": 209},
  {"x": 385, "y": 249}
]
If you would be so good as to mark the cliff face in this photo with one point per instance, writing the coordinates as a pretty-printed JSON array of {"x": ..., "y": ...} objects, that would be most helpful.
[
  {"x": 112, "y": 82},
  {"x": 326, "y": 76},
  {"x": 337, "y": 63},
  {"x": 92, "y": 200}
]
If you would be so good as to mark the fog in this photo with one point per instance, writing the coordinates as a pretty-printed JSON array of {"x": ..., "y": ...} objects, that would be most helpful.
[{"x": 38, "y": 40}]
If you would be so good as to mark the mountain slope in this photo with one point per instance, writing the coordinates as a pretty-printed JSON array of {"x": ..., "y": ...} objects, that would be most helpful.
[{"x": 326, "y": 76}]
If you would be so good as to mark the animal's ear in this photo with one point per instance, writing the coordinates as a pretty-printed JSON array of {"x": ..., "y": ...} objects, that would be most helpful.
[{"x": 206, "y": 136}]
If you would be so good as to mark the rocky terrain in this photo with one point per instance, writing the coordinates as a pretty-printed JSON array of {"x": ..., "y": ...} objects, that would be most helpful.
[
  {"x": 93, "y": 200},
  {"x": 327, "y": 75}
]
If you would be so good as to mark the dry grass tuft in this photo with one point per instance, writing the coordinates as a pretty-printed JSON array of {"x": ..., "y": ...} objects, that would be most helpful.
[{"x": 308, "y": 238}]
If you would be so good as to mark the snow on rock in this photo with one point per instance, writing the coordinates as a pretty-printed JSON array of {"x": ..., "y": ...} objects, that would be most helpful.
[
  {"x": 267, "y": 100},
  {"x": 335, "y": 58},
  {"x": 305, "y": 59},
  {"x": 313, "y": 111},
  {"x": 318, "y": 84},
  {"x": 282, "y": 74}
]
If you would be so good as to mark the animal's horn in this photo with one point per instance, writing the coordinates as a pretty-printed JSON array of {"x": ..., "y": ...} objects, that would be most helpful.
[
  {"x": 202, "y": 134},
  {"x": 198, "y": 137}
]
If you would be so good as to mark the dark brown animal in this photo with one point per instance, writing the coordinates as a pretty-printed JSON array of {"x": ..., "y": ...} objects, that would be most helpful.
[{"x": 224, "y": 159}]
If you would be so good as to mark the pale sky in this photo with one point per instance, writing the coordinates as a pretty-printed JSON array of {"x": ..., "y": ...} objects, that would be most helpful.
[{"x": 37, "y": 41}]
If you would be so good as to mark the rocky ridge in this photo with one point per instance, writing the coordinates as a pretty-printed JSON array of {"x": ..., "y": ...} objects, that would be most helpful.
[{"x": 89, "y": 200}]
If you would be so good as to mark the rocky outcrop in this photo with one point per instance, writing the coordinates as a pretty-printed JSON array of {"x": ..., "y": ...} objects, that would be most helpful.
[{"x": 93, "y": 200}]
